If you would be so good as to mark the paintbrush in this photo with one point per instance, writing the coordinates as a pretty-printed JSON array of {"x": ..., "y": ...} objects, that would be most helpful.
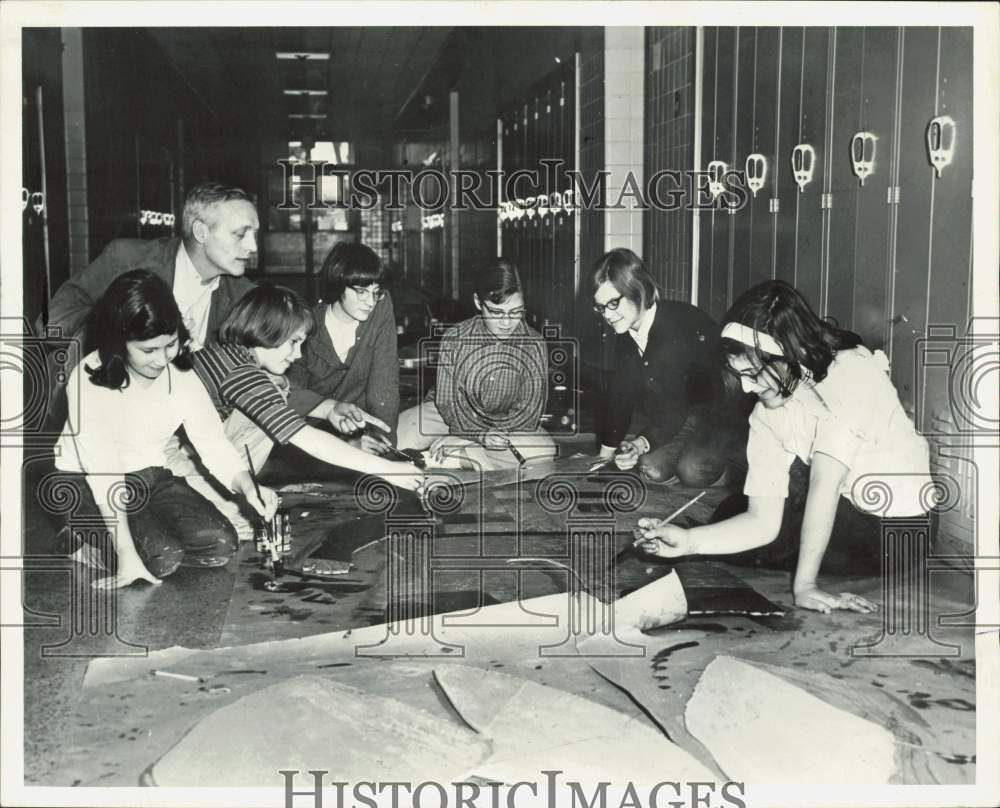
[
  {"x": 638, "y": 540},
  {"x": 277, "y": 565}
]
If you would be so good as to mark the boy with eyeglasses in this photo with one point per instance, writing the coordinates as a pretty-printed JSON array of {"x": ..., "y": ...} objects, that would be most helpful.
[
  {"x": 665, "y": 409},
  {"x": 491, "y": 385},
  {"x": 350, "y": 358}
]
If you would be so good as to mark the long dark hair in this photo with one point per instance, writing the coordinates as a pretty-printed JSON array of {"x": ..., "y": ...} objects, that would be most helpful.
[
  {"x": 136, "y": 306},
  {"x": 350, "y": 264},
  {"x": 265, "y": 317},
  {"x": 778, "y": 309},
  {"x": 629, "y": 275}
]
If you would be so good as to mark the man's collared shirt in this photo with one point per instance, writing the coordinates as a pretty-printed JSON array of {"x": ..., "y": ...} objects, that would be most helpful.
[{"x": 193, "y": 296}]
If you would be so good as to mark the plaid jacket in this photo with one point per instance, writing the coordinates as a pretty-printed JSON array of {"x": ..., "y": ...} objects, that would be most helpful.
[{"x": 485, "y": 383}]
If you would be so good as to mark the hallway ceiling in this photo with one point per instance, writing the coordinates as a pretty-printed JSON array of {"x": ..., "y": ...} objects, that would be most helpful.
[{"x": 357, "y": 93}]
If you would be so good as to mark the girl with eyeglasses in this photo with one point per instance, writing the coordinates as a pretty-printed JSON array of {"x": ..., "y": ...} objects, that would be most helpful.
[
  {"x": 829, "y": 442},
  {"x": 350, "y": 358},
  {"x": 126, "y": 400},
  {"x": 665, "y": 408}
]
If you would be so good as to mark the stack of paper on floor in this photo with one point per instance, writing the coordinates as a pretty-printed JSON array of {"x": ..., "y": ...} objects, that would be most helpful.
[
  {"x": 761, "y": 729},
  {"x": 532, "y": 727},
  {"x": 311, "y": 722}
]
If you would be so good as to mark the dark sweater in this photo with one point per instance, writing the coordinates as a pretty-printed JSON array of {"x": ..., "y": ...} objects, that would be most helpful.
[
  {"x": 368, "y": 378},
  {"x": 678, "y": 371}
]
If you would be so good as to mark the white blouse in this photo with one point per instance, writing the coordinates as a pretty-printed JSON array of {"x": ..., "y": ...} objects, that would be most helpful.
[
  {"x": 111, "y": 432},
  {"x": 853, "y": 415}
]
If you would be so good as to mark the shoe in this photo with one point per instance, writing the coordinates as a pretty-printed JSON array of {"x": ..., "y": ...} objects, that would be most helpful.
[{"x": 87, "y": 555}]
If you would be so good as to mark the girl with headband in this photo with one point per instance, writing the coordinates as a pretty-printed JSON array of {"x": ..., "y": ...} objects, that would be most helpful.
[{"x": 827, "y": 419}]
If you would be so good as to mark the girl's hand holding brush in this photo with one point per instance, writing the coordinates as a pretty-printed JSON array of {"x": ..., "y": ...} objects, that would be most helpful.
[{"x": 265, "y": 502}]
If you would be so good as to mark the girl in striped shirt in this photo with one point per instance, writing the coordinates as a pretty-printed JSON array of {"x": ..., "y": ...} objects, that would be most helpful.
[{"x": 245, "y": 377}]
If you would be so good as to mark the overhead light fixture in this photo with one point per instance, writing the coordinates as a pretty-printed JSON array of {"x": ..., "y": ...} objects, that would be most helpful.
[
  {"x": 306, "y": 55},
  {"x": 316, "y": 115},
  {"x": 304, "y": 92}
]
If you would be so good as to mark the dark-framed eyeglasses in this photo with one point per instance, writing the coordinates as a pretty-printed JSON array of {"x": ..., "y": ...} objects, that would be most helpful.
[
  {"x": 611, "y": 305},
  {"x": 366, "y": 291},
  {"x": 749, "y": 375},
  {"x": 500, "y": 314}
]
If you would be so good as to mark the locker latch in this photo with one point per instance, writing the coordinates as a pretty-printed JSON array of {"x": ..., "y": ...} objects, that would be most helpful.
[
  {"x": 716, "y": 171},
  {"x": 803, "y": 164},
  {"x": 941, "y": 141},
  {"x": 38, "y": 202},
  {"x": 756, "y": 171},
  {"x": 863, "y": 154},
  {"x": 773, "y": 206},
  {"x": 892, "y": 195},
  {"x": 826, "y": 201}
]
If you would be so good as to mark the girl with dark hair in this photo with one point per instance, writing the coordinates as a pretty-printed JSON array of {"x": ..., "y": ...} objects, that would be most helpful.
[
  {"x": 126, "y": 400},
  {"x": 665, "y": 408},
  {"x": 245, "y": 377},
  {"x": 824, "y": 403},
  {"x": 350, "y": 359}
]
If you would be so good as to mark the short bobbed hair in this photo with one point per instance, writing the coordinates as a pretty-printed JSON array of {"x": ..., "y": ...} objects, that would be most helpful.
[
  {"x": 137, "y": 306},
  {"x": 628, "y": 274},
  {"x": 265, "y": 317},
  {"x": 350, "y": 264}
]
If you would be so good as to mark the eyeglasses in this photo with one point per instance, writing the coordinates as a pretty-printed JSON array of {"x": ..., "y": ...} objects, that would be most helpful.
[
  {"x": 365, "y": 291},
  {"x": 749, "y": 375},
  {"x": 611, "y": 305},
  {"x": 500, "y": 314}
]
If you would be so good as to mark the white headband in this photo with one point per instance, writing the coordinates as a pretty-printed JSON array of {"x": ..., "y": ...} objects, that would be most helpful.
[{"x": 755, "y": 339}]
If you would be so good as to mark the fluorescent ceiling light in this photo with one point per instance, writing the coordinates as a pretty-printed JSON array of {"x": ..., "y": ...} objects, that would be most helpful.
[
  {"x": 310, "y": 55},
  {"x": 317, "y": 115},
  {"x": 304, "y": 92}
]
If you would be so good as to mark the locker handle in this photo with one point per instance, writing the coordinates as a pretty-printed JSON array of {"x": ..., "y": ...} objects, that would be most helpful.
[
  {"x": 863, "y": 154},
  {"x": 803, "y": 164},
  {"x": 941, "y": 142}
]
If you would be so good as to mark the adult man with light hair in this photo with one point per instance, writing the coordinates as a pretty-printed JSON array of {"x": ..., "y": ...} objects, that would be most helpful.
[{"x": 204, "y": 267}]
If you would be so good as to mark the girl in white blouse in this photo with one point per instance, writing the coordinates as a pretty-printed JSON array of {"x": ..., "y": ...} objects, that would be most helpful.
[
  {"x": 827, "y": 400},
  {"x": 126, "y": 399}
]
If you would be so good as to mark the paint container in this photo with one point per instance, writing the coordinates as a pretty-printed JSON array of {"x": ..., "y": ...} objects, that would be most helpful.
[{"x": 280, "y": 529}]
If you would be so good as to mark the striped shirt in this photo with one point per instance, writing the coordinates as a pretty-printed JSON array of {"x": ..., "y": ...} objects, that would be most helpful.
[
  {"x": 485, "y": 383},
  {"x": 235, "y": 380}
]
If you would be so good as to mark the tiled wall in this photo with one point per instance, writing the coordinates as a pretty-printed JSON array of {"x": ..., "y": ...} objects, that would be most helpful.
[
  {"x": 591, "y": 144},
  {"x": 76, "y": 149},
  {"x": 669, "y": 139},
  {"x": 623, "y": 134}
]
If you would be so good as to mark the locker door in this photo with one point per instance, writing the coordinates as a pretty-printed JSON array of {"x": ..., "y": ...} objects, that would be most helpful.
[
  {"x": 878, "y": 100},
  {"x": 706, "y": 217},
  {"x": 843, "y": 184},
  {"x": 789, "y": 135},
  {"x": 952, "y": 205},
  {"x": 768, "y": 45},
  {"x": 913, "y": 216},
  {"x": 809, "y": 247},
  {"x": 725, "y": 138},
  {"x": 744, "y": 112}
]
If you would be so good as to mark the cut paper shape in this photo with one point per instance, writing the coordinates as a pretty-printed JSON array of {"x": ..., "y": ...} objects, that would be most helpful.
[
  {"x": 656, "y": 604},
  {"x": 312, "y": 722},
  {"x": 762, "y": 730},
  {"x": 533, "y": 727}
]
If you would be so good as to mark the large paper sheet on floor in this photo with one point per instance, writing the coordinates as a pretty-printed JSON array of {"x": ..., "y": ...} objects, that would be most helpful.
[
  {"x": 315, "y": 723},
  {"x": 762, "y": 730},
  {"x": 532, "y": 727}
]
